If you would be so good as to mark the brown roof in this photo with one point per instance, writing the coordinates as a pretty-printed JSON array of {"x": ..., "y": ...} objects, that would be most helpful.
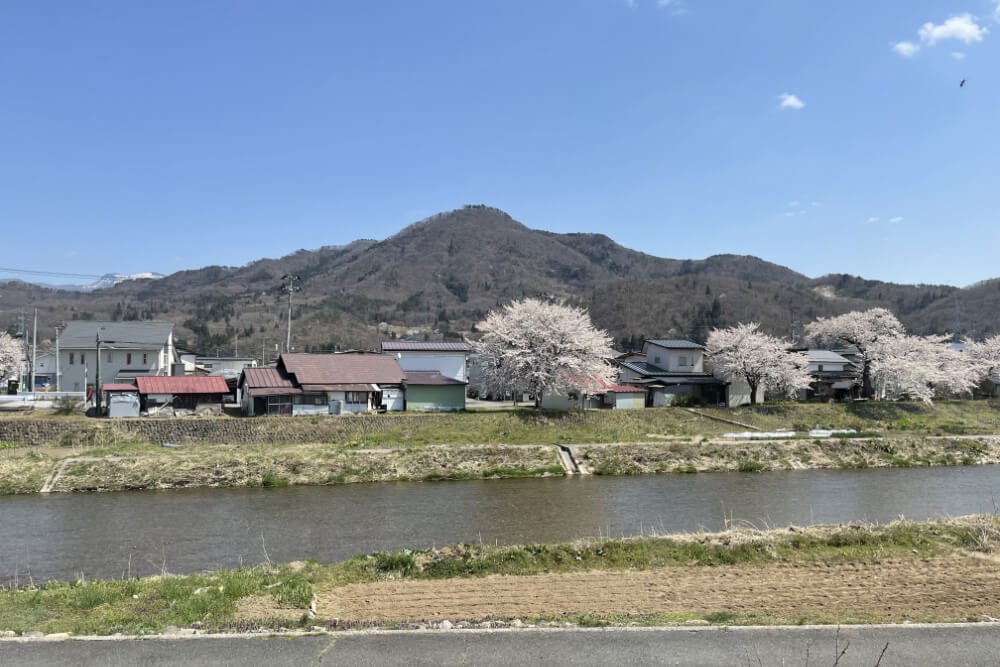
[
  {"x": 268, "y": 381},
  {"x": 182, "y": 384},
  {"x": 341, "y": 369},
  {"x": 426, "y": 378},
  {"x": 419, "y": 346}
]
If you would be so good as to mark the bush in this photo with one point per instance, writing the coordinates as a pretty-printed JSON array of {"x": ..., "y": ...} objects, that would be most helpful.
[
  {"x": 67, "y": 405},
  {"x": 687, "y": 401}
]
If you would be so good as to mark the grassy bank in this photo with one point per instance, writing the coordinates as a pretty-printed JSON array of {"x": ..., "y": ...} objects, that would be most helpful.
[
  {"x": 792, "y": 454},
  {"x": 281, "y": 596}
]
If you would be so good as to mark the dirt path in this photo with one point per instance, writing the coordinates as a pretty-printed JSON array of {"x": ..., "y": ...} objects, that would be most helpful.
[{"x": 905, "y": 588}]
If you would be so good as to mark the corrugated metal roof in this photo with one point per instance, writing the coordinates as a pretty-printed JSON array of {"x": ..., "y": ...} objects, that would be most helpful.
[
  {"x": 625, "y": 389},
  {"x": 268, "y": 377},
  {"x": 340, "y": 387},
  {"x": 676, "y": 343},
  {"x": 182, "y": 384},
  {"x": 342, "y": 368},
  {"x": 417, "y": 346},
  {"x": 825, "y": 357},
  {"x": 118, "y": 386},
  {"x": 82, "y": 334},
  {"x": 430, "y": 378},
  {"x": 643, "y": 367}
]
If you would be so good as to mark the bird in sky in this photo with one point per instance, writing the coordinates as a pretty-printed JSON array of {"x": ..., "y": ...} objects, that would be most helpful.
[{"x": 962, "y": 84}]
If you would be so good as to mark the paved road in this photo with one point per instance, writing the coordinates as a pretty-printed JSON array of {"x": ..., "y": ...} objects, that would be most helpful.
[{"x": 908, "y": 645}]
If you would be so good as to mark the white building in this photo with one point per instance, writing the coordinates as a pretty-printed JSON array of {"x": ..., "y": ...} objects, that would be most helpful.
[
  {"x": 449, "y": 359},
  {"x": 127, "y": 349}
]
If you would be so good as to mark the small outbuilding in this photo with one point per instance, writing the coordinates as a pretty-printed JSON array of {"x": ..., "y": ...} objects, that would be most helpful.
[
  {"x": 430, "y": 391},
  {"x": 200, "y": 394},
  {"x": 121, "y": 399}
]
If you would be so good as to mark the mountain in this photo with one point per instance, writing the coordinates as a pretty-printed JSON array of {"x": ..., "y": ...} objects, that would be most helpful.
[{"x": 446, "y": 272}]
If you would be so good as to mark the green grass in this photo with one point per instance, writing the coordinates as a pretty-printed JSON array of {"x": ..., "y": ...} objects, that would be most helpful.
[
  {"x": 148, "y": 605},
  {"x": 7, "y": 445}
]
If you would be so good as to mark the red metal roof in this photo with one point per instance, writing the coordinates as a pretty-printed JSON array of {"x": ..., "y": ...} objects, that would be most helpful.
[
  {"x": 625, "y": 389},
  {"x": 118, "y": 386},
  {"x": 324, "y": 369},
  {"x": 182, "y": 384}
]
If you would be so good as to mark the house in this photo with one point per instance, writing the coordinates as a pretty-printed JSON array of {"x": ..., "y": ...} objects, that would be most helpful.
[
  {"x": 323, "y": 384},
  {"x": 128, "y": 350},
  {"x": 430, "y": 391},
  {"x": 166, "y": 395},
  {"x": 834, "y": 376},
  {"x": 448, "y": 359},
  {"x": 674, "y": 368},
  {"x": 597, "y": 395},
  {"x": 45, "y": 371},
  {"x": 427, "y": 366},
  {"x": 224, "y": 365}
]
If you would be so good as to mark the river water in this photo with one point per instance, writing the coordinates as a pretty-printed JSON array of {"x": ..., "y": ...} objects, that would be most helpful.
[{"x": 114, "y": 534}]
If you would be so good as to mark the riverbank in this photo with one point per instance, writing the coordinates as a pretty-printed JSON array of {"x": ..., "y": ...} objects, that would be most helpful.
[
  {"x": 934, "y": 571},
  {"x": 141, "y": 466},
  {"x": 104, "y": 455}
]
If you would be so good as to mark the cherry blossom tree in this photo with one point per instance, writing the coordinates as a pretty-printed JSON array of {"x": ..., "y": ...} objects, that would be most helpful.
[
  {"x": 762, "y": 360},
  {"x": 920, "y": 367},
  {"x": 862, "y": 329},
  {"x": 539, "y": 347},
  {"x": 10, "y": 354},
  {"x": 986, "y": 355}
]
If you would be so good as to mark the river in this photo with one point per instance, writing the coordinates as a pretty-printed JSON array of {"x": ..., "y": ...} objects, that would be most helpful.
[{"x": 114, "y": 534}]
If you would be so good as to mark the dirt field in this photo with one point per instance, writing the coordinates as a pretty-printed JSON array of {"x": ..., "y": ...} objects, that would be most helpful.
[{"x": 943, "y": 588}]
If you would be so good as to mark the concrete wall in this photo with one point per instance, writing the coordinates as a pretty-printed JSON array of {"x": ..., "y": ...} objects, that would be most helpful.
[
  {"x": 629, "y": 401},
  {"x": 437, "y": 398},
  {"x": 448, "y": 364}
]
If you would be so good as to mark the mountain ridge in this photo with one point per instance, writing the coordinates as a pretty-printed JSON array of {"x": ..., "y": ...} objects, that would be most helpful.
[{"x": 447, "y": 271}]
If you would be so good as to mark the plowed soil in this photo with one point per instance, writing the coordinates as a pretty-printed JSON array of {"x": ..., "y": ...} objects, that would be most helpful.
[{"x": 905, "y": 588}]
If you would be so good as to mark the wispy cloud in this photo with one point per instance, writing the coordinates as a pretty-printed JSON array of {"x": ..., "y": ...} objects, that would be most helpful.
[
  {"x": 958, "y": 55},
  {"x": 906, "y": 49},
  {"x": 898, "y": 218},
  {"x": 793, "y": 204},
  {"x": 790, "y": 101},
  {"x": 963, "y": 27},
  {"x": 874, "y": 219},
  {"x": 816, "y": 203}
]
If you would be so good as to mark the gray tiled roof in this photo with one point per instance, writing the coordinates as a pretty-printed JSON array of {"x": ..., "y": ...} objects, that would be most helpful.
[
  {"x": 825, "y": 357},
  {"x": 676, "y": 344},
  {"x": 82, "y": 334},
  {"x": 420, "y": 346}
]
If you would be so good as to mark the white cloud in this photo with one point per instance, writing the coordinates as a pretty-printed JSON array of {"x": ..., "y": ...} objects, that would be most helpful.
[
  {"x": 873, "y": 219},
  {"x": 815, "y": 203},
  {"x": 793, "y": 204},
  {"x": 996, "y": 12},
  {"x": 958, "y": 55},
  {"x": 962, "y": 27},
  {"x": 789, "y": 101},
  {"x": 906, "y": 49},
  {"x": 898, "y": 218}
]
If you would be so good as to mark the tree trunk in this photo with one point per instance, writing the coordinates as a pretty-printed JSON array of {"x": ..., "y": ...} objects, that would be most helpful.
[
  {"x": 866, "y": 380},
  {"x": 753, "y": 392}
]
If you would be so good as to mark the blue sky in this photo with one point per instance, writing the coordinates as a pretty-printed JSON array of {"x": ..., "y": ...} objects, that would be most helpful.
[{"x": 825, "y": 136}]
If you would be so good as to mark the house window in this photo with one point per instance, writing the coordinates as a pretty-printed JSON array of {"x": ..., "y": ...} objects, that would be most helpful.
[
  {"x": 110, "y": 356},
  {"x": 72, "y": 358},
  {"x": 145, "y": 360},
  {"x": 128, "y": 359},
  {"x": 279, "y": 405},
  {"x": 656, "y": 359},
  {"x": 310, "y": 399},
  {"x": 573, "y": 396},
  {"x": 682, "y": 360},
  {"x": 83, "y": 358},
  {"x": 357, "y": 398},
  {"x": 821, "y": 368}
]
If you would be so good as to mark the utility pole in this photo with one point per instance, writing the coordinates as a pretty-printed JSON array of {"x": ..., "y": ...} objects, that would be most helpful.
[
  {"x": 57, "y": 359},
  {"x": 291, "y": 287},
  {"x": 34, "y": 350},
  {"x": 236, "y": 344},
  {"x": 263, "y": 346},
  {"x": 97, "y": 381}
]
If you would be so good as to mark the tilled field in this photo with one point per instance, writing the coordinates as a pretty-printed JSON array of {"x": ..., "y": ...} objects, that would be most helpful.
[{"x": 931, "y": 589}]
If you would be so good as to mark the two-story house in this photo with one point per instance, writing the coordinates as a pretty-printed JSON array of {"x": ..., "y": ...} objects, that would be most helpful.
[
  {"x": 673, "y": 368},
  {"x": 128, "y": 350},
  {"x": 437, "y": 373},
  {"x": 834, "y": 376}
]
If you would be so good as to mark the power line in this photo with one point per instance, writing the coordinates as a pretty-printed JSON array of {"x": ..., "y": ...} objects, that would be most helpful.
[{"x": 55, "y": 274}]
